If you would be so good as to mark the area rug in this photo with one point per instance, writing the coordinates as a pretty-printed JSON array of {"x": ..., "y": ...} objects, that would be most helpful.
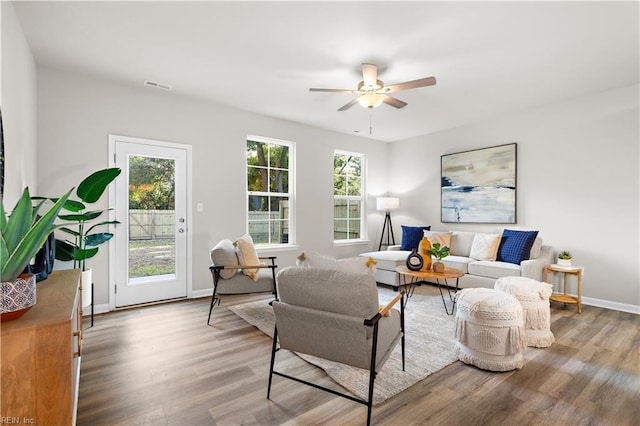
[{"x": 430, "y": 346}]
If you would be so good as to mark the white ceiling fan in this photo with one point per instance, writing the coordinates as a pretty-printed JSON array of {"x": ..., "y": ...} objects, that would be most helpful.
[{"x": 372, "y": 92}]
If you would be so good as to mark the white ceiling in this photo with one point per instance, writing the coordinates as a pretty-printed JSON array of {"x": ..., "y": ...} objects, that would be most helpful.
[{"x": 488, "y": 57}]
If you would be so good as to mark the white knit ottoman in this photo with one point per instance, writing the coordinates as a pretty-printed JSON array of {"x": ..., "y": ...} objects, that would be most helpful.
[
  {"x": 489, "y": 329},
  {"x": 534, "y": 297}
]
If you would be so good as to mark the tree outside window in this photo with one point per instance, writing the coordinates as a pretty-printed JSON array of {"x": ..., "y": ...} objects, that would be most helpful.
[
  {"x": 348, "y": 195},
  {"x": 151, "y": 183},
  {"x": 268, "y": 190}
]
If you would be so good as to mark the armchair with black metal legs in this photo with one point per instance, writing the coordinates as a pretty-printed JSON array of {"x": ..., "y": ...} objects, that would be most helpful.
[
  {"x": 228, "y": 277},
  {"x": 335, "y": 315}
]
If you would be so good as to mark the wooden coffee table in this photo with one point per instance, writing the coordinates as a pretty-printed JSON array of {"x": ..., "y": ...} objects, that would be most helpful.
[{"x": 411, "y": 278}]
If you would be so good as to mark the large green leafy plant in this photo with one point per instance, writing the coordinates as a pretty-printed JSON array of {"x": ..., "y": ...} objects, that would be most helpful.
[
  {"x": 24, "y": 232},
  {"x": 84, "y": 239}
]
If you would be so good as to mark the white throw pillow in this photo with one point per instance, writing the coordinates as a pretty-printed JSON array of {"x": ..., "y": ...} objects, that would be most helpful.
[
  {"x": 485, "y": 246},
  {"x": 444, "y": 238},
  {"x": 247, "y": 255},
  {"x": 302, "y": 261},
  {"x": 312, "y": 259},
  {"x": 365, "y": 265}
]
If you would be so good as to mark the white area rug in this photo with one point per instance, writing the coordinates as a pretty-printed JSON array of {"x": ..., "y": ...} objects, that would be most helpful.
[{"x": 430, "y": 346}]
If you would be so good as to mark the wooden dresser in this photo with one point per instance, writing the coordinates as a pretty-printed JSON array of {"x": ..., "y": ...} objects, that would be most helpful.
[{"x": 40, "y": 355}]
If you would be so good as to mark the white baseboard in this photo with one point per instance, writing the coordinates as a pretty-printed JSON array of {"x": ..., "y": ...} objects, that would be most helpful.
[
  {"x": 623, "y": 307},
  {"x": 97, "y": 309},
  {"x": 201, "y": 293},
  {"x": 600, "y": 303},
  {"x": 102, "y": 309}
]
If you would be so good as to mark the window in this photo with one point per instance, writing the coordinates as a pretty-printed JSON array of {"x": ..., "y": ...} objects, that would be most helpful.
[
  {"x": 348, "y": 199},
  {"x": 269, "y": 190}
]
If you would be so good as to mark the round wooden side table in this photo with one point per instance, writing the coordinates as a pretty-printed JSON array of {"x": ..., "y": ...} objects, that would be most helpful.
[
  {"x": 564, "y": 297},
  {"x": 411, "y": 278}
]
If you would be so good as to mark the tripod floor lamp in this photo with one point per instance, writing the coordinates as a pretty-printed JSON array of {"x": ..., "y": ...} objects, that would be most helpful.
[{"x": 387, "y": 204}]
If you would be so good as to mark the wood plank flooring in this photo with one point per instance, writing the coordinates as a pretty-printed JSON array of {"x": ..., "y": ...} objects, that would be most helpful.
[{"x": 162, "y": 365}]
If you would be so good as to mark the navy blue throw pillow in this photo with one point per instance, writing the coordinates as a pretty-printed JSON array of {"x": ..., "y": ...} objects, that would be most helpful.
[
  {"x": 516, "y": 245},
  {"x": 411, "y": 236}
]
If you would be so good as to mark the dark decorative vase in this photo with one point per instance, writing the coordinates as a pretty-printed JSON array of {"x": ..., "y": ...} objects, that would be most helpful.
[{"x": 414, "y": 261}]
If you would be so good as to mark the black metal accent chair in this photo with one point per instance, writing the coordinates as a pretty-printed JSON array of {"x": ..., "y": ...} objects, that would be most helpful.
[
  {"x": 335, "y": 315},
  {"x": 229, "y": 279}
]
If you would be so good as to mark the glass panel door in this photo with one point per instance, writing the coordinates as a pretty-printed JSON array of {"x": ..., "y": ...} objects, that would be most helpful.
[{"x": 151, "y": 256}]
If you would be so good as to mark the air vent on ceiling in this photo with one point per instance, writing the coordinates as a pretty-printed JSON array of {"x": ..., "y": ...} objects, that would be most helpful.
[{"x": 157, "y": 85}]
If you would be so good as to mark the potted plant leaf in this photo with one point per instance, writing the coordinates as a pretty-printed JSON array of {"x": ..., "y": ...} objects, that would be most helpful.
[
  {"x": 440, "y": 252},
  {"x": 564, "y": 258},
  {"x": 84, "y": 238},
  {"x": 22, "y": 234}
]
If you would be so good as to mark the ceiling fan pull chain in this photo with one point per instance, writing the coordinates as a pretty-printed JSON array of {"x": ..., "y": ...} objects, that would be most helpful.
[{"x": 371, "y": 122}]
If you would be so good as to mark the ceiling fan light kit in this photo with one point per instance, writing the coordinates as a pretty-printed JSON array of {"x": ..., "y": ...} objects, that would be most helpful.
[
  {"x": 373, "y": 91},
  {"x": 370, "y": 100}
]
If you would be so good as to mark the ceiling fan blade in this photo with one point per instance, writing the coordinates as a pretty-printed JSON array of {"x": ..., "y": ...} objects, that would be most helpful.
[
  {"x": 315, "y": 89},
  {"x": 390, "y": 100},
  {"x": 369, "y": 75},
  {"x": 422, "y": 82},
  {"x": 349, "y": 105}
]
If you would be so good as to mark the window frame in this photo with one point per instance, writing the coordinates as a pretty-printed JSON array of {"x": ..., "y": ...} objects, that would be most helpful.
[
  {"x": 362, "y": 197},
  {"x": 291, "y": 241}
]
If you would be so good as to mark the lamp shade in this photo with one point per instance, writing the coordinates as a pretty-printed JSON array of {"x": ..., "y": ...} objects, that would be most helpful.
[{"x": 387, "y": 203}]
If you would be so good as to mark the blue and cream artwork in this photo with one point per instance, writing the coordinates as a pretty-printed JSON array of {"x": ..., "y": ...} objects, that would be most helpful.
[{"x": 479, "y": 186}]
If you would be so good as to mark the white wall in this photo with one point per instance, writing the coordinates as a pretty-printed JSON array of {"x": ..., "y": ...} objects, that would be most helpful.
[
  {"x": 577, "y": 183},
  {"x": 18, "y": 100},
  {"x": 76, "y": 114}
]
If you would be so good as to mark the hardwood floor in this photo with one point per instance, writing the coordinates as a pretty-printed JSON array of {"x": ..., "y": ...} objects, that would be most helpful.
[{"x": 162, "y": 365}]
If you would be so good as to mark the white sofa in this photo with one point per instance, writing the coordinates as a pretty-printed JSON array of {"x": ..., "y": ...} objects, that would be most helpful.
[{"x": 478, "y": 273}]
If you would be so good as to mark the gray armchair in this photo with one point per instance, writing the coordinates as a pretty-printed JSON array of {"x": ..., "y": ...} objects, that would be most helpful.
[
  {"x": 335, "y": 315},
  {"x": 229, "y": 279}
]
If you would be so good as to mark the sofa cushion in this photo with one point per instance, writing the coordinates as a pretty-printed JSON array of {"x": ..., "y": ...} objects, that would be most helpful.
[
  {"x": 516, "y": 245},
  {"x": 461, "y": 242},
  {"x": 360, "y": 264},
  {"x": 491, "y": 269},
  {"x": 411, "y": 236},
  {"x": 444, "y": 238},
  {"x": 241, "y": 284},
  {"x": 485, "y": 246},
  {"x": 458, "y": 262},
  {"x": 388, "y": 260},
  {"x": 224, "y": 254}
]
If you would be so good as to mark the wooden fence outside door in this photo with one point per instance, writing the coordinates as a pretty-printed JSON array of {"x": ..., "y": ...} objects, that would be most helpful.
[{"x": 151, "y": 224}]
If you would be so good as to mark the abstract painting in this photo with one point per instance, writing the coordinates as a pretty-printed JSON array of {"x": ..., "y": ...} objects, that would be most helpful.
[{"x": 479, "y": 186}]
